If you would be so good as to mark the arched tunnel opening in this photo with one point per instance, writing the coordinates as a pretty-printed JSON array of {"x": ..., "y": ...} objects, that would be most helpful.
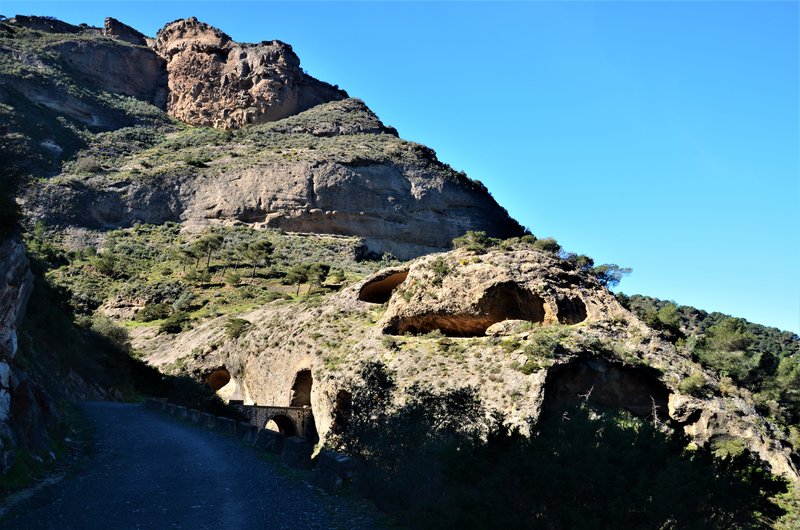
[
  {"x": 217, "y": 378},
  {"x": 606, "y": 384},
  {"x": 301, "y": 389},
  {"x": 503, "y": 301},
  {"x": 379, "y": 291},
  {"x": 570, "y": 310},
  {"x": 282, "y": 424}
]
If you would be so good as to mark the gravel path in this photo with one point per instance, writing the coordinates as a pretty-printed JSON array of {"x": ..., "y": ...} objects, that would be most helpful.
[{"x": 150, "y": 471}]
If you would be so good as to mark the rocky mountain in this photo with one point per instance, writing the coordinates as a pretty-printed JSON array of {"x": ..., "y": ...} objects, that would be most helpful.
[
  {"x": 210, "y": 208},
  {"x": 87, "y": 107}
]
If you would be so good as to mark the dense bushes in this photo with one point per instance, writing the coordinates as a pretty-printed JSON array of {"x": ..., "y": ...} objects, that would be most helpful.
[
  {"x": 765, "y": 361},
  {"x": 432, "y": 461}
]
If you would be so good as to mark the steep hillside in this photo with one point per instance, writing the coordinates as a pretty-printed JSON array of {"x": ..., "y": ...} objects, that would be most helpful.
[{"x": 87, "y": 109}]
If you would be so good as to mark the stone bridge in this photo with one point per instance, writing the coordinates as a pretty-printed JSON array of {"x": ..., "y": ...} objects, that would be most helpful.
[{"x": 290, "y": 421}]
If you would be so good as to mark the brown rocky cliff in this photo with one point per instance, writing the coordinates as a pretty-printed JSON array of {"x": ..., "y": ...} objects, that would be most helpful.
[{"x": 217, "y": 82}]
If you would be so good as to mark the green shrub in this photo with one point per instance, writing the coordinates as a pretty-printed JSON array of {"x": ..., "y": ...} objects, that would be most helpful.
[
  {"x": 440, "y": 270},
  {"x": 547, "y": 244},
  {"x": 236, "y": 327},
  {"x": 694, "y": 385},
  {"x": 152, "y": 312},
  {"x": 477, "y": 242},
  {"x": 175, "y": 323}
]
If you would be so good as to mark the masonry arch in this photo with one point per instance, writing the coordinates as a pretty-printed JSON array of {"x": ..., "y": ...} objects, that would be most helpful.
[{"x": 282, "y": 424}]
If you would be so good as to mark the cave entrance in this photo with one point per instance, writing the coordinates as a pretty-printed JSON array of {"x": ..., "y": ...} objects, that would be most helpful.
[
  {"x": 605, "y": 384},
  {"x": 502, "y": 301},
  {"x": 570, "y": 310},
  {"x": 301, "y": 389},
  {"x": 217, "y": 378},
  {"x": 282, "y": 424},
  {"x": 379, "y": 290}
]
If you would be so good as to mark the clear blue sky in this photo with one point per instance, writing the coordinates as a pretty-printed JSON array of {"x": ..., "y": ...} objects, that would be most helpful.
[{"x": 659, "y": 136}]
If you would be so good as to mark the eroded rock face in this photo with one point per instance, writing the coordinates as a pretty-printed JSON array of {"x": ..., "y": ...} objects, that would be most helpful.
[
  {"x": 465, "y": 297},
  {"x": 610, "y": 358},
  {"x": 217, "y": 82},
  {"x": 133, "y": 71},
  {"x": 16, "y": 284},
  {"x": 394, "y": 194}
]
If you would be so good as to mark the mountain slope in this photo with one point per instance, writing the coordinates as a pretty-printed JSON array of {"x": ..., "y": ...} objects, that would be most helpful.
[{"x": 86, "y": 107}]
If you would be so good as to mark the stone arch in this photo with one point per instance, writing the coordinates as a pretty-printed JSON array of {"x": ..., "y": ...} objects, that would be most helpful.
[
  {"x": 607, "y": 384},
  {"x": 217, "y": 378},
  {"x": 301, "y": 389},
  {"x": 379, "y": 290},
  {"x": 283, "y": 424},
  {"x": 570, "y": 310},
  {"x": 502, "y": 301}
]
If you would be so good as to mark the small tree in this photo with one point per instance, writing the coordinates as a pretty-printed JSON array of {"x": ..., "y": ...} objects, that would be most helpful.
[
  {"x": 477, "y": 242},
  {"x": 258, "y": 252},
  {"x": 609, "y": 275},
  {"x": 317, "y": 273},
  {"x": 547, "y": 244},
  {"x": 296, "y": 275},
  {"x": 206, "y": 245}
]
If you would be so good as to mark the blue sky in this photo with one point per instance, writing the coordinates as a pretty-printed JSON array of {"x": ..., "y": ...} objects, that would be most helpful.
[{"x": 661, "y": 136}]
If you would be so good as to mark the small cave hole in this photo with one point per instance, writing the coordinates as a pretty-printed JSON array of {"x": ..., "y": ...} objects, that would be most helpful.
[
  {"x": 379, "y": 291},
  {"x": 217, "y": 378},
  {"x": 301, "y": 389},
  {"x": 607, "y": 384},
  {"x": 570, "y": 310},
  {"x": 503, "y": 301}
]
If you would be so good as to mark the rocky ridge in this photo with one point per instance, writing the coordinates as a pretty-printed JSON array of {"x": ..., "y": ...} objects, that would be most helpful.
[{"x": 321, "y": 163}]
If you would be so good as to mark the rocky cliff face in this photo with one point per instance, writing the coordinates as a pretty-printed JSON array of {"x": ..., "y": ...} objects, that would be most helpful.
[
  {"x": 21, "y": 414},
  {"x": 317, "y": 163},
  {"x": 217, "y": 82},
  {"x": 525, "y": 328},
  {"x": 332, "y": 169}
]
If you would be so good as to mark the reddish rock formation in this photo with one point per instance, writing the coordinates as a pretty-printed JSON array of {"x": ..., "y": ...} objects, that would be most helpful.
[{"x": 215, "y": 81}]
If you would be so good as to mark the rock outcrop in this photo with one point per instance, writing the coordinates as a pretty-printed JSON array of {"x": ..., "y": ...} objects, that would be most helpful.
[
  {"x": 541, "y": 361},
  {"x": 129, "y": 70},
  {"x": 217, "y": 82},
  {"x": 118, "y": 30},
  {"x": 393, "y": 193}
]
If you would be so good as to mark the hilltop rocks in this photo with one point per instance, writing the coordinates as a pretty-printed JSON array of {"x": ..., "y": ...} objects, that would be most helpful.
[
  {"x": 115, "y": 28},
  {"x": 217, "y": 82}
]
